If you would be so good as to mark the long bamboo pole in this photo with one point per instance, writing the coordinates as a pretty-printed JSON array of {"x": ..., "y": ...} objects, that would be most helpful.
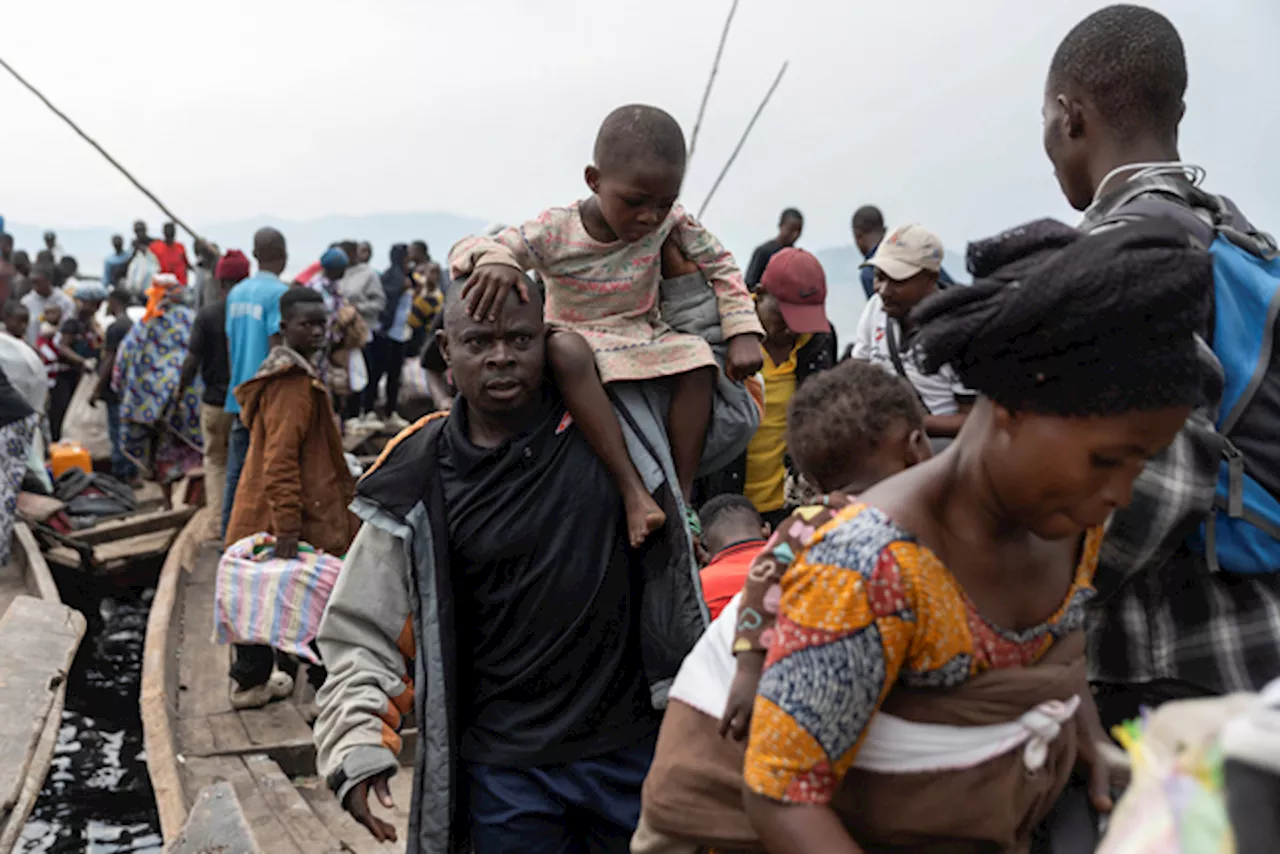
[
  {"x": 101, "y": 150},
  {"x": 715, "y": 68},
  {"x": 742, "y": 141}
]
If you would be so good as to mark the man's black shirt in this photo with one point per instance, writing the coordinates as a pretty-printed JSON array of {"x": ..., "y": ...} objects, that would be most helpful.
[
  {"x": 760, "y": 260},
  {"x": 209, "y": 342},
  {"x": 548, "y": 596},
  {"x": 116, "y": 332}
]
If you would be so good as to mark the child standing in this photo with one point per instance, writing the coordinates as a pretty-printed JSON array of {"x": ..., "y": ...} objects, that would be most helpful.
[
  {"x": 295, "y": 484},
  {"x": 601, "y": 262},
  {"x": 732, "y": 535}
]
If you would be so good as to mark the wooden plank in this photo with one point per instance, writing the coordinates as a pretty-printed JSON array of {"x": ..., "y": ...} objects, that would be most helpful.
[
  {"x": 194, "y": 737},
  {"x": 135, "y": 524},
  {"x": 344, "y": 828},
  {"x": 275, "y": 724},
  {"x": 37, "y": 508},
  {"x": 279, "y": 731},
  {"x": 27, "y": 552},
  {"x": 12, "y": 584},
  {"x": 63, "y": 556},
  {"x": 39, "y": 640},
  {"x": 229, "y": 735},
  {"x": 203, "y": 568},
  {"x": 38, "y": 581},
  {"x": 268, "y": 830},
  {"x": 204, "y": 665},
  {"x": 216, "y": 824},
  {"x": 199, "y": 772},
  {"x": 132, "y": 548},
  {"x": 34, "y": 781},
  {"x": 355, "y": 438},
  {"x": 304, "y": 827}
]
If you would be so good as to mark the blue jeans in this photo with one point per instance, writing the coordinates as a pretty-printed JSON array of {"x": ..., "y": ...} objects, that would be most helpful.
[
  {"x": 121, "y": 468},
  {"x": 237, "y": 450},
  {"x": 585, "y": 807}
]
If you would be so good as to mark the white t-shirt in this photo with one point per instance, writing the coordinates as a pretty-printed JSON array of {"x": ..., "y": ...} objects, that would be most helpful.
[
  {"x": 941, "y": 392},
  {"x": 707, "y": 673},
  {"x": 35, "y": 307}
]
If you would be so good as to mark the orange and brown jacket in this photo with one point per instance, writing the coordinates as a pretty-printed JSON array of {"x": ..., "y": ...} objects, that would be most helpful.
[{"x": 295, "y": 479}]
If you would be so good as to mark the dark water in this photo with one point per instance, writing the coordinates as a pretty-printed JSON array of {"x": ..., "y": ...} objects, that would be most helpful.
[{"x": 97, "y": 797}]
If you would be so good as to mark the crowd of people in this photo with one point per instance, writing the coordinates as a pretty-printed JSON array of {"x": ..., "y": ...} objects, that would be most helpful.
[{"x": 665, "y": 571}]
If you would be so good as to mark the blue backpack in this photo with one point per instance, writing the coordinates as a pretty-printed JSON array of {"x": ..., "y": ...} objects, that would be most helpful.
[{"x": 1242, "y": 531}]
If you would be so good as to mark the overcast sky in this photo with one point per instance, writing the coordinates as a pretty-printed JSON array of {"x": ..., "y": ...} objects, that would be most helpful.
[{"x": 299, "y": 108}]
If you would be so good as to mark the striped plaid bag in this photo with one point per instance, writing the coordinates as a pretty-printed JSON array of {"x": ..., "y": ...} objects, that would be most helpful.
[{"x": 260, "y": 599}]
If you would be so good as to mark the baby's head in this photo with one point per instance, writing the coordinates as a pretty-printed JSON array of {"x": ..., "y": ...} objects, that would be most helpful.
[
  {"x": 855, "y": 425},
  {"x": 637, "y": 170},
  {"x": 729, "y": 519},
  {"x": 52, "y": 315}
]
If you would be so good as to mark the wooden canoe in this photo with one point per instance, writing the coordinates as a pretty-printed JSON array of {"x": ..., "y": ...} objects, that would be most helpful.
[
  {"x": 38, "y": 640},
  {"x": 195, "y": 740},
  {"x": 112, "y": 546}
]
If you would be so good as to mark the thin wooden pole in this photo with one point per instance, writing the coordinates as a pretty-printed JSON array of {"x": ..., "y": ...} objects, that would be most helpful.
[
  {"x": 715, "y": 68},
  {"x": 742, "y": 141},
  {"x": 101, "y": 150}
]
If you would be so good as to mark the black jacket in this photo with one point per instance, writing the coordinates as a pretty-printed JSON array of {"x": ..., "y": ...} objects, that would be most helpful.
[{"x": 394, "y": 282}]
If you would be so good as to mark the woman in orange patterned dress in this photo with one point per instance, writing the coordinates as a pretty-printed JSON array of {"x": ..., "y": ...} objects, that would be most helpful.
[{"x": 925, "y": 689}]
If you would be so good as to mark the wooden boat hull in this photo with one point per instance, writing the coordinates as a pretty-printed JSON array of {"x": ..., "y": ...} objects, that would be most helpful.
[
  {"x": 195, "y": 741},
  {"x": 32, "y": 679}
]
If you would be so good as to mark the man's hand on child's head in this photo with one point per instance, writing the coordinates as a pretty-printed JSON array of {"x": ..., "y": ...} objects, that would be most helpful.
[
  {"x": 487, "y": 288},
  {"x": 744, "y": 358}
]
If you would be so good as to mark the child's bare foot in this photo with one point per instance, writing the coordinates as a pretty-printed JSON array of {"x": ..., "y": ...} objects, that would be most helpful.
[{"x": 644, "y": 516}]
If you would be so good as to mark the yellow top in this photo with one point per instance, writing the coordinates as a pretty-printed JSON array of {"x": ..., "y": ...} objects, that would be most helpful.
[{"x": 766, "y": 469}]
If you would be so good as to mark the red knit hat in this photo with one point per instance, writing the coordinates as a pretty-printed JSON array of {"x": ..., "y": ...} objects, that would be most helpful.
[{"x": 234, "y": 266}]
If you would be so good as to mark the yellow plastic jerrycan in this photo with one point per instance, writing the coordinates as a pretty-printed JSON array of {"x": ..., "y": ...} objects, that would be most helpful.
[{"x": 69, "y": 455}]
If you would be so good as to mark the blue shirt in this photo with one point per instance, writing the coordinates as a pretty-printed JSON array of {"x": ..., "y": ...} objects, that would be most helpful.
[
  {"x": 399, "y": 330},
  {"x": 111, "y": 264},
  {"x": 253, "y": 316}
]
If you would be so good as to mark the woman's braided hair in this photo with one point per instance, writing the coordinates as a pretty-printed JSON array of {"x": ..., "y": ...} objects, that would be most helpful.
[{"x": 1062, "y": 323}]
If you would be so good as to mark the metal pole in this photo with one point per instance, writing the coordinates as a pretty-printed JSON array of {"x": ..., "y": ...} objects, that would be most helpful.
[
  {"x": 715, "y": 67},
  {"x": 745, "y": 134},
  {"x": 101, "y": 150}
]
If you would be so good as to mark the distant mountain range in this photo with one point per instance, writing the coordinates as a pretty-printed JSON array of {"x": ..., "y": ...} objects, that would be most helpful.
[{"x": 308, "y": 238}]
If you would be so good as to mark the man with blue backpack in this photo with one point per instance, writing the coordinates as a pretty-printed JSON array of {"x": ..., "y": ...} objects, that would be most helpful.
[{"x": 1189, "y": 579}]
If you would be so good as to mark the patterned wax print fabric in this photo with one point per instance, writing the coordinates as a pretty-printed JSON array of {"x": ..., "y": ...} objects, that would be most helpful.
[
  {"x": 758, "y": 611},
  {"x": 15, "y": 442},
  {"x": 157, "y": 435},
  {"x": 261, "y": 599},
  {"x": 864, "y": 608},
  {"x": 608, "y": 292}
]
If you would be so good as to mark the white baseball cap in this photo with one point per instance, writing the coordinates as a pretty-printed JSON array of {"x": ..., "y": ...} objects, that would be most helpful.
[{"x": 907, "y": 250}]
